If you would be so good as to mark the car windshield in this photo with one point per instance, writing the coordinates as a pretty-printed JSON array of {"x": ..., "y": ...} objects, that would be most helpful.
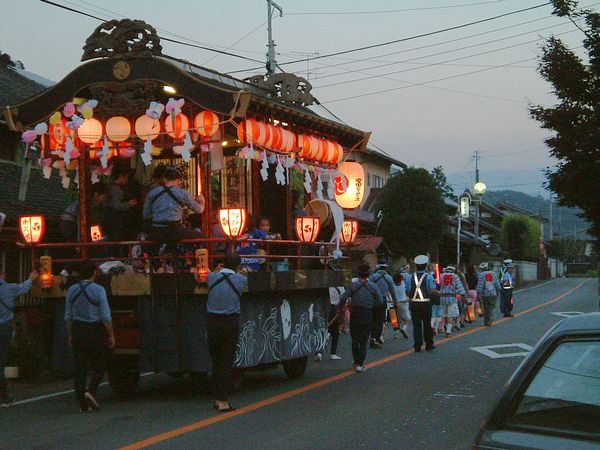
[{"x": 565, "y": 393}]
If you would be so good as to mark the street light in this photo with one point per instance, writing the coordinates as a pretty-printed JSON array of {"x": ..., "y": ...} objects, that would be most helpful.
[
  {"x": 479, "y": 189},
  {"x": 464, "y": 209}
]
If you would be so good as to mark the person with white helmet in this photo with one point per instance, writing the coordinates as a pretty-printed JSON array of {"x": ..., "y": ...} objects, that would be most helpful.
[
  {"x": 419, "y": 288},
  {"x": 385, "y": 284},
  {"x": 450, "y": 286},
  {"x": 488, "y": 288},
  {"x": 506, "y": 294}
]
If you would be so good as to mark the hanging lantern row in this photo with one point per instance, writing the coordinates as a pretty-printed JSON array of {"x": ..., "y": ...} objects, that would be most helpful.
[
  {"x": 279, "y": 139},
  {"x": 311, "y": 147},
  {"x": 266, "y": 135},
  {"x": 118, "y": 128}
]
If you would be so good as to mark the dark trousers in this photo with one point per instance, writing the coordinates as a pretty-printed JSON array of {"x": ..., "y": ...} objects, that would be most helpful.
[
  {"x": 488, "y": 303},
  {"x": 334, "y": 328},
  {"x": 223, "y": 332},
  {"x": 6, "y": 332},
  {"x": 379, "y": 312},
  {"x": 360, "y": 327},
  {"x": 421, "y": 320},
  {"x": 506, "y": 305},
  {"x": 89, "y": 356}
]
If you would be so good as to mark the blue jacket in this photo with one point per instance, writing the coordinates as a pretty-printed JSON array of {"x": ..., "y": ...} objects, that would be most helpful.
[
  {"x": 9, "y": 292},
  {"x": 363, "y": 295},
  {"x": 163, "y": 208},
  {"x": 223, "y": 295},
  {"x": 92, "y": 307},
  {"x": 385, "y": 283},
  {"x": 427, "y": 286}
]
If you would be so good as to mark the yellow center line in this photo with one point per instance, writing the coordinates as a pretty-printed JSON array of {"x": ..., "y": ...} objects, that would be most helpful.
[{"x": 317, "y": 384}]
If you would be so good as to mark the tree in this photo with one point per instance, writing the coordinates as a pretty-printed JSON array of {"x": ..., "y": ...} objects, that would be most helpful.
[
  {"x": 520, "y": 237},
  {"x": 567, "y": 249},
  {"x": 414, "y": 212},
  {"x": 442, "y": 182},
  {"x": 575, "y": 118}
]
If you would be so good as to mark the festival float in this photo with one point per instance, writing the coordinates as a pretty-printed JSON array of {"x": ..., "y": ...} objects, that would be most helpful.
[{"x": 239, "y": 143}]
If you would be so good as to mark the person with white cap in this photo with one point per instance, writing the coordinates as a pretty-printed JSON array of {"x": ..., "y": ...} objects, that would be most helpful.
[
  {"x": 504, "y": 267},
  {"x": 419, "y": 288},
  {"x": 364, "y": 295},
  {"x": 506, "y": 294},
  {"x": 450, "y": 286},
  {"x": 385, "y": 284},
  {"x": 488, "y": 288}
]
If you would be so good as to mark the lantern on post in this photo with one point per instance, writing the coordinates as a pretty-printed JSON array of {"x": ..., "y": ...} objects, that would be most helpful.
[
  {"x": 350, "y": 185},
  {"x": 307, "y": 228},
  {"x": 349, "y": 231},
  {"x": 233, "y": 221},
  {"x": 96, "y": 233},
  {"x": 32, "y": 228},
  {"x": 202, "y": 264},
  {"x": 46, "y": 277}
]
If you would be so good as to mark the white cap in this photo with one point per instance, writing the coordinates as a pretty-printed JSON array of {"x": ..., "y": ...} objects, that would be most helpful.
[
  {"x": 507, "y": 261},
  {"x": 484, "y": 266},
  {"x": 421, "y": 259},
  {"x": 450, "y": 268}
]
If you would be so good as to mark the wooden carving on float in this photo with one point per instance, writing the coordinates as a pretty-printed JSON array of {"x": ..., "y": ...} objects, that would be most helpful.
[
  {"x": 129, "y": 99},
  {"x": 286, "y": 87},
  {"x": 122, "y": 37}
]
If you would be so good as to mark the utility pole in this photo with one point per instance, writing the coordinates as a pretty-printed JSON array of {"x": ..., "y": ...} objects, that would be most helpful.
[
  {"x": 476, "y": 157},
  {"x": 271, "y": 62},
  {"x": 551, "y": 219},
  {"x": 478, "y": 198}
]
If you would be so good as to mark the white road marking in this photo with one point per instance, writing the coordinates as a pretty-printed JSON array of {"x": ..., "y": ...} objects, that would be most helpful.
[
  {"x": 58, "y": 394},
  {"x": 568, "y": 314},
  {"x": 488, "y": 350},
  {"x": 441, "y": 394}
]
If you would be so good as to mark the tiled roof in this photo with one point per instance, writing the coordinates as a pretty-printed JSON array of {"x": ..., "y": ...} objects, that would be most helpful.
[
  {"x": 44, "y": 196},
  {"x": 15, "y": 88}
]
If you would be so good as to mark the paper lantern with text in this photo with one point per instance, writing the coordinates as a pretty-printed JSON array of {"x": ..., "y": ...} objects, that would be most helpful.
[
  {"x": 182, "y": 124},
  {"x": 206, "y": 123},
  {"x": 233, "y": 221},
  {"x": 58, "y": 133},
  {"x": 46, "y": 278},
  {"x": 307, "y": 228},
  {"x": 147, "y": 128},
  {"x": 349, "y": 231},
  {"x": 96, "y": 233},
  {"x": 202, "y": 268},
  {"x": 118, "y": 128},
  {"x": 90, "y": 131},
  {"x": 32, "y": 228},
  {"x": 350, "y": 185}
]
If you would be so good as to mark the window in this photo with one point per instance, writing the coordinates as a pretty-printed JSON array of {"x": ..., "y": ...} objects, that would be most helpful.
[{"x": 564, "y": 395}]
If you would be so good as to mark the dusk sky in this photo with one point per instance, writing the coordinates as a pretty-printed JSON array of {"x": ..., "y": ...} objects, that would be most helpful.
[{"x": 435, "y": 123}]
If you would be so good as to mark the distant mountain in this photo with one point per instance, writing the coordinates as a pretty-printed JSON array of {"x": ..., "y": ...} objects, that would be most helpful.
[{"x": 566, "y": 222}]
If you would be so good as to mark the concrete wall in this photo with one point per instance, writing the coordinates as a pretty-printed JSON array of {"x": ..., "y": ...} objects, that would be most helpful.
[{"x": 526, "y": 271}]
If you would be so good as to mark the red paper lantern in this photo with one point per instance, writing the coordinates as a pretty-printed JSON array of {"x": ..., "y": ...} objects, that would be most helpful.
[
  {"x": 206, "y": 123},
  {"x": 58, "y": 133},
  {"x": 182, "y": 124},
  {"x": 349, "y": 231},
  {"x": 290, "y": 141},
  {"x": 307, "y": 228},
  {"x": 32, "y": 228},
  {"x": 277, "y": 139},
  {"x": 305, "y": 144},
  {"x": 233, "y": 221}
]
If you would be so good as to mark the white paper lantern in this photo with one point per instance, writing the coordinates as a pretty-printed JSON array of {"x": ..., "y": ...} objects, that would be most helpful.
[
  {"x": 90, "y": 132},
  {"x": 118, "y": 128},
  {"x": 147, "y": 128}
]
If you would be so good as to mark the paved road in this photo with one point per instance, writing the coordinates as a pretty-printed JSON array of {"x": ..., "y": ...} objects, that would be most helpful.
[{"x": 403, "y": 400}]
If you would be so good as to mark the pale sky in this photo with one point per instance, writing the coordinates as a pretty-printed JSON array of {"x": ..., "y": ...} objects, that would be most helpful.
[{"x": 440, "y": 123}]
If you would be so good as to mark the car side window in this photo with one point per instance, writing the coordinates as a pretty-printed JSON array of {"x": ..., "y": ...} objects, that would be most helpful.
[{"x": 564, "y": 395}]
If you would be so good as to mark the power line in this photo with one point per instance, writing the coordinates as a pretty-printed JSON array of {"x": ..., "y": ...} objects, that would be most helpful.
[
  {"x": 426, "y": 82},
  {"x": 487, "y": 52},
  {"x": 517, "y": 153},
  {"x": 388, "y": 11},
  {"x": 444, "y": 52},
  {"x": 410, "y": 38},
  {"x": 175, "y": 41}
]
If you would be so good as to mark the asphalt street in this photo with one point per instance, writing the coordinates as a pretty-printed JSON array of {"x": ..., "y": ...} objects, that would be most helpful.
[{"x": 404, "y": 400}]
